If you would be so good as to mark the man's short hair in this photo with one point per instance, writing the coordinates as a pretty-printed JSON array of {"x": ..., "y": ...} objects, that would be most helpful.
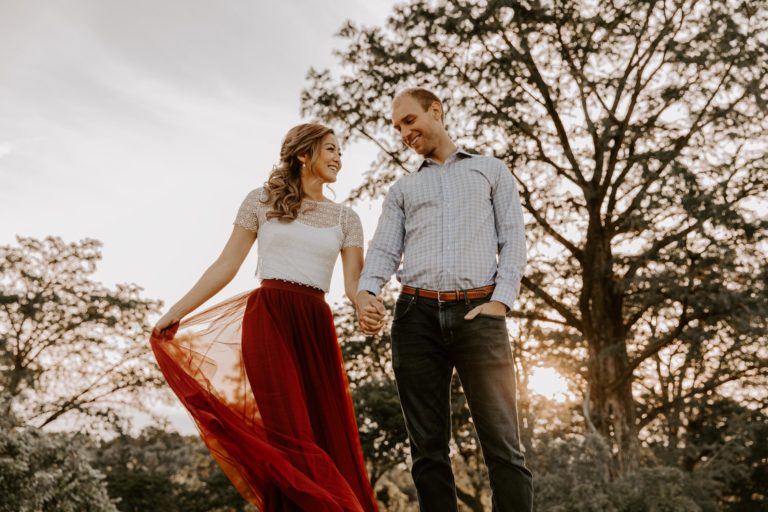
[{"x": 423, "y": 97}]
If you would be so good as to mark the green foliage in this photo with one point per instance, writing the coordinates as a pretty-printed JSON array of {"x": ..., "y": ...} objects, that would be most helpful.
[
  {"x": 165, "y": 472},
  {"x": 573, "y": 476},
  {"x": 727, "y": 442},
  {"x": 48, "y": 472},
  {"x": 69, "y": 346}
]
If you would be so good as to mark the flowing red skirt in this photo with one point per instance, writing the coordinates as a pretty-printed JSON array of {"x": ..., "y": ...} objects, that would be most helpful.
[{"x": 263, "y": 378}]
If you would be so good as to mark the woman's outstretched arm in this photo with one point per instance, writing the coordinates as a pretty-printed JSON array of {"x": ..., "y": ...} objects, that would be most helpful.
[{"x": 216, "y": 277}]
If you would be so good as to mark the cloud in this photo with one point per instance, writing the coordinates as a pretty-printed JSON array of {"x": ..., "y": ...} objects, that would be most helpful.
[
  {"x": 127, "y": 121},
  {"x": 5, "y": 149}
]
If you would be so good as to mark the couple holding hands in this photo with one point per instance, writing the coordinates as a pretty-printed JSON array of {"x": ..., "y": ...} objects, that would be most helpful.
[{"x": 262, "y": 373}]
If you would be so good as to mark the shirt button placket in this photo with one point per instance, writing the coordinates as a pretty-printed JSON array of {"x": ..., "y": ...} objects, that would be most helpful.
[
  {"x": 449, "y": 226},
  {"x": 446, "y": 208}
]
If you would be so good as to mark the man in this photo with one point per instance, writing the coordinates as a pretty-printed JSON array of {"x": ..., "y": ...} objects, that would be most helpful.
[{"x": 457, "y": 226}]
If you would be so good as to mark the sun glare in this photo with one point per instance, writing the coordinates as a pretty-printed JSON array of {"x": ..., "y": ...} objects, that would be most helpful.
[{"x": 548, "y": 383}]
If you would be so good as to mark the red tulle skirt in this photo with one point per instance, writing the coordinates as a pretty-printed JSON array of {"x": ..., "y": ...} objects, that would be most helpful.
[{"x": 263, "y": 378}]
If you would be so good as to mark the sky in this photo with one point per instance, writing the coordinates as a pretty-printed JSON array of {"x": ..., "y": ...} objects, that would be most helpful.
[{"x": 144, "y": 124}]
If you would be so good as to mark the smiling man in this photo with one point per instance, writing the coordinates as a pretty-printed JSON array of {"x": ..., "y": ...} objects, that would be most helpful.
[{"x": 456, "y": 225}]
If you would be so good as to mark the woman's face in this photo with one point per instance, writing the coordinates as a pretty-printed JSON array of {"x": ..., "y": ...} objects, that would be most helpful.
[{"x": 328, "y": 162}]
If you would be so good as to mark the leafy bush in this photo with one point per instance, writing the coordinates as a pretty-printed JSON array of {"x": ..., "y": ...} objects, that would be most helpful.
[{"x": 47, "y": 472}]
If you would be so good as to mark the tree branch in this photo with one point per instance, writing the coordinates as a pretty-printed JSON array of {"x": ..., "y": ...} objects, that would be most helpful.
[
  {"x": 652, "y": 349},
  {"x": 570, "y": 318},
  {"x": 570, "y": 246},
  {"x": 709, "y": 386},
  {"x": 549, "y": 104}
]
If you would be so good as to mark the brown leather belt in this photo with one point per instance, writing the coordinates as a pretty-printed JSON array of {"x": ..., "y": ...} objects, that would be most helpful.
[{"x": 453, "y": 296}]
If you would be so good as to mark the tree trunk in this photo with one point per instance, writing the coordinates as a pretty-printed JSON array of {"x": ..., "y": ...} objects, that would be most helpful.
[{"x": 611, "y": 409}]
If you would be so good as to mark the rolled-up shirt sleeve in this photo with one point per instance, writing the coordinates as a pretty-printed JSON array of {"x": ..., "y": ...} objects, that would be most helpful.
[
  {"x": 510, "y": 229},
  {"x": 386, "y": 248}
]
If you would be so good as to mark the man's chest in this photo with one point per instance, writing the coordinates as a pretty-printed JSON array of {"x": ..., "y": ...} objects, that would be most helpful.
[{"x": 459, "y": 189}]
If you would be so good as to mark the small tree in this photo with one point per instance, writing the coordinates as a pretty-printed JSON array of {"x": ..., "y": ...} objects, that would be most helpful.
[
  {"x": 160, "y": 470},
  {"x": 51, "y": 472},
  {"x": 68, "y": 345}
]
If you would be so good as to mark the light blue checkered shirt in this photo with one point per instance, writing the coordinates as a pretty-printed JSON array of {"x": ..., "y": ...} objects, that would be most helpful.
[{"x": 453, "y": 226}]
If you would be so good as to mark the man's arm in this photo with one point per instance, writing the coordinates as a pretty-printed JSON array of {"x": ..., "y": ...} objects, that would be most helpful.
[
  {"x": 510, "y": 229},
  {"x": 383, "y": 257},
  {"x": 386, "y": 247}
]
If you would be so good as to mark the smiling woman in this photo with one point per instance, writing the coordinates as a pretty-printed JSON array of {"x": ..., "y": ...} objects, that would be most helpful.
[{"x": 262, "y": 373}]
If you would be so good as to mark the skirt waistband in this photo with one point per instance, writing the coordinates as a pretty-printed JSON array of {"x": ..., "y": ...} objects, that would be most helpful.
[{"x": 288, "y": 286}]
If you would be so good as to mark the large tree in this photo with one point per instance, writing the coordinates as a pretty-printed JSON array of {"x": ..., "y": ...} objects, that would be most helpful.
[
  {"x": 69, "y": 346},
  {"x": 637, "y": 135}
]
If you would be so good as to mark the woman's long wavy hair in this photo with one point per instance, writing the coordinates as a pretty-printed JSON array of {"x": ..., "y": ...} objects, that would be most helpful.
[{"x": 283, "y": 187}]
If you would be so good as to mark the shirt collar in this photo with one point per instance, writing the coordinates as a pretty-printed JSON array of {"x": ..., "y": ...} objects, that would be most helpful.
[{"x": 459, "y": 153}]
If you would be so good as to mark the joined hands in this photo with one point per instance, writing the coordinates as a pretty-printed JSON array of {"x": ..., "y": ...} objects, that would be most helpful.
[{"x": 370, "y": 313}]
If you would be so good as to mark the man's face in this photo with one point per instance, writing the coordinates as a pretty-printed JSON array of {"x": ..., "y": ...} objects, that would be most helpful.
[{"x": 417, "y": 128}]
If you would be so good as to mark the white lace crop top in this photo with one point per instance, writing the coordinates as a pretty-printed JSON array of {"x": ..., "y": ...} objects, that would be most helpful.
[{"x": 303, "y": 251}]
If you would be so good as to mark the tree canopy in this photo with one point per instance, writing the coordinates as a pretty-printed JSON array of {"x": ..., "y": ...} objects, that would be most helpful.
[
  {"x": 70, "y": 347},
  {"x": 636, "y": 132}
]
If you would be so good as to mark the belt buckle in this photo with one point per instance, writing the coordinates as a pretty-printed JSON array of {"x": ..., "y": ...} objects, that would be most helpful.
[{"x": 442, "y": 301}]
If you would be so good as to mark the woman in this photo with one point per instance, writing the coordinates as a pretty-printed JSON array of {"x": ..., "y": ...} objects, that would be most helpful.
[{"x": 262, "y": 373}]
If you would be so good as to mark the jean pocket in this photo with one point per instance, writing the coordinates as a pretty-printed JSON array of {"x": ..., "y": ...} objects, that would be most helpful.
[{"x": 402, "y": 307}]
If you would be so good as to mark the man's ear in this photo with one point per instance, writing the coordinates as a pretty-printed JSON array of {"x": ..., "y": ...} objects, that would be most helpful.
[{"x": 437, "y": 111}]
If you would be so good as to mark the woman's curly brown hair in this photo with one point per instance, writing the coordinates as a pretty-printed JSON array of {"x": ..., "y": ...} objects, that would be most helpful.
[{"x": 283, "y": 187}]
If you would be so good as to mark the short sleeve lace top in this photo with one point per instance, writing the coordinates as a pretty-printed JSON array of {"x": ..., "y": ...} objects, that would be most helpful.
[{"x": 303, "y": 251}]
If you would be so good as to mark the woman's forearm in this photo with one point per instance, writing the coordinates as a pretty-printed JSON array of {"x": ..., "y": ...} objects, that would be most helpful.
[
  {"x": 350, "y": 288},
  {"x": 352, "y": 262}
]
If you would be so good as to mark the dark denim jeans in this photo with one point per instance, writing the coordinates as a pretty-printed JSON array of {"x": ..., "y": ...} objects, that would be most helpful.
[{"x": 429, "y": 339}]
